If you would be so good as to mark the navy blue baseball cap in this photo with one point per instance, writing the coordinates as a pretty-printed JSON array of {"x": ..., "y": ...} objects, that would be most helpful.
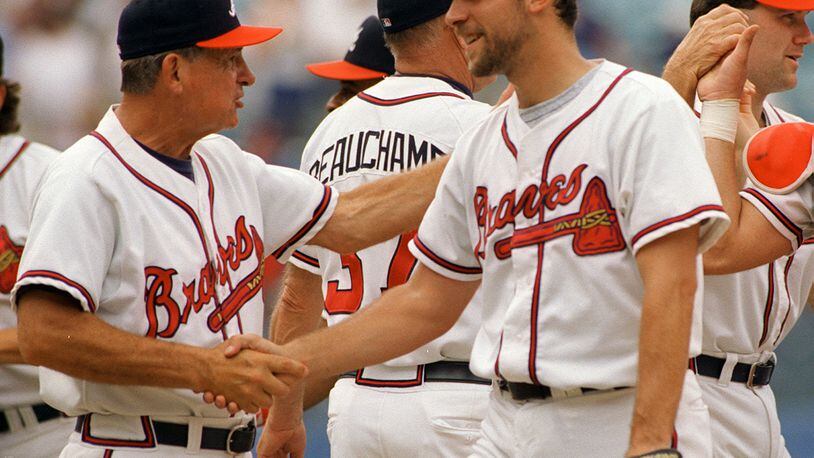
[
  {"x": 399, "y": 15},
  {"x": 148, "y": 27},
  {"x": 367, "y": 59}
]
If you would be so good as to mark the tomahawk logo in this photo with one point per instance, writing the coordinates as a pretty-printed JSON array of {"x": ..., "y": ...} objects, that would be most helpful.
[{"x": 9, "y": 261}]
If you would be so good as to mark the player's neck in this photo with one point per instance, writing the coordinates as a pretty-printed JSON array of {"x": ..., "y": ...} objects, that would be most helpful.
[
  {"x": 155, "y": 128},
  {"x": 757, "y": 108},
  {"x": 543, "y": 72}
]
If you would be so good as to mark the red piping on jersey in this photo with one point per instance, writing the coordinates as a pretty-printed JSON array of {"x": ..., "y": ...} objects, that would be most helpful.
[
  {"x": 418, "y": 380},
  {"x": 675, "y": 219},
  {"x": 788, "y": 296},
  {"x": 63, "y": 279},
  {"x": 412, "y": 98},
  {"x": 108, "y": 453},
  {"x": 779, "y": 116},
  {"x": 313, "y": 262},
  {"x": 443, "y": 262},
  {"x": 535, "y": 298},
  {"x": 320, "y": 210},
  {"x": 15, "y": 157},
  {"x": 767, "y": 312},
  {"x": 211, "y": 193},
  {"x": 508, "y": 141},
  {"x": 168, "y": 195},
  {"x": 148, "y": 442},
  {"x": 785, "y": 220},
  {"x": 674, "y": 439}
]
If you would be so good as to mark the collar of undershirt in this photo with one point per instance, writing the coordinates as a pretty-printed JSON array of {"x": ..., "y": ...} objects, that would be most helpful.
[
  {"x": 536, "y": 113},
  {"x": 455, "y": 84},
  {"x": 182, "y": 166}
]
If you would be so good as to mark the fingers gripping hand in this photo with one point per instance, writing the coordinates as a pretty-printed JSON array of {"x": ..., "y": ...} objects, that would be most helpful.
[
  {"x": 281, "y": 443},
  {"x": 728, "y": 78},
  {"x": 710, "y": 38}
]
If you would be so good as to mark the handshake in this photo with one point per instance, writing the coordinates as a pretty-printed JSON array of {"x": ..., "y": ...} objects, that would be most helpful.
[{"x": 246, "y": 371}]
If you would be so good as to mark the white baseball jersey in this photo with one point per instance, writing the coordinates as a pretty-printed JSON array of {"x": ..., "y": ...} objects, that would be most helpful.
[
  {"x": 399, "y": 124},
  {"x": 22, "y": 165},
  {"x": 152, "y": 252},
  {"x": 749, "y": 313},
  {"x": 552, "y": 216}
]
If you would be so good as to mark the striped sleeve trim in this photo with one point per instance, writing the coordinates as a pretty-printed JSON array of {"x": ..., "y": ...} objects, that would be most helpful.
[
  {"x": 776, "y": 217},
  {"x": 31, "y": 277},
  {"x": 645, "y": 235},
  {"x": 426, "y": 255},
  {"x": 319, "y": 212},
  {"x": 304, "y": 258}
]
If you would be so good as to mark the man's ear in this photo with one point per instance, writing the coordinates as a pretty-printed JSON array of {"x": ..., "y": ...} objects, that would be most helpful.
[
  {"x": 172, "y": 72},
  {"x": 537, "y": 6}
]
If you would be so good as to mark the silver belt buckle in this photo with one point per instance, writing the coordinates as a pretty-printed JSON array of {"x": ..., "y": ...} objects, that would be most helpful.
[
  {"x": 750, "y": 380},
  {"x": 232, "y": 432}
]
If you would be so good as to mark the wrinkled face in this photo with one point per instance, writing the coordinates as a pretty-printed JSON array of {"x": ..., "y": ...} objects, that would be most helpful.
[
  {"x": 778, "y": 46},
  {"x": 215, "y": 80},
  {"x": 348, "y": 90},
  {"x": 491, "y": 30}
]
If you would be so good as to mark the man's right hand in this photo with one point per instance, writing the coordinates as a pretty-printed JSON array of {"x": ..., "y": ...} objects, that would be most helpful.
[
  {"x": 281, "y": 443},
  {"x": 249, "y": 378},
  {"x": 710, "y": 38}
]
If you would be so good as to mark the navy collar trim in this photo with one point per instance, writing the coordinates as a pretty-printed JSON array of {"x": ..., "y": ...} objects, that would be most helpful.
[{"x": 455, "y": 84}]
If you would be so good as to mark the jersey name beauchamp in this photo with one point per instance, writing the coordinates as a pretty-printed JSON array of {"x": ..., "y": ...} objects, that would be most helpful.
[{"x": 382, "y": 150}]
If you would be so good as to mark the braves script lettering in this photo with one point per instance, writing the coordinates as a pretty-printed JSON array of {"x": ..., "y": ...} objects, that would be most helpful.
[
  {"x": 491, "y": 218},
  {"x": 199, "y": 292}
]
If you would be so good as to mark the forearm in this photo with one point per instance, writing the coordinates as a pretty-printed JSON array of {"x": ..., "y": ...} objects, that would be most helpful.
[
  {"x": 683, "y": 81},
  {"x": 379, "y": 211},
  {"x": 55, "y": 333},
  {"x": 663, "y": 355},
  {"x": 9, "y": 349},
  {"x": 297, "y": 313}
]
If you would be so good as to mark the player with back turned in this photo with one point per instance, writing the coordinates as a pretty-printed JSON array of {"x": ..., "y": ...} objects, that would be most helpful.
[
  {"x": 747, "y": 314},
  {"x": 565, "y": 207},
  {"x": 424, "y": 402}
]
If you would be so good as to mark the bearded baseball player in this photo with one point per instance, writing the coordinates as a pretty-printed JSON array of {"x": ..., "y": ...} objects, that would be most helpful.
[
  {"x": 565, "y": 206},
  {"x": 424, "y": 402},
  {"x": 148, "y": 240},
  {"x": 28, "y": 427},
  {"x": 746, "y": 315},
  {"x": 367, "y": 61}
]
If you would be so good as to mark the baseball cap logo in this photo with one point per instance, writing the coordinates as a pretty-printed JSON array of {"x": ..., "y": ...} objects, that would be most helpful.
[
  {"x": 232, "y": 10},
  {"x": 387, "y": 22}
]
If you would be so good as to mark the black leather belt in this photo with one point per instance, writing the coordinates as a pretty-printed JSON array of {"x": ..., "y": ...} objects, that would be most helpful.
[
  {"x": 236, "y": 440},
  {"x": 757, "y": 374},
  {"x": 526, "y": 391},
  {"x": 443, "y": 371},
  {"x": 43, "y": 412}
]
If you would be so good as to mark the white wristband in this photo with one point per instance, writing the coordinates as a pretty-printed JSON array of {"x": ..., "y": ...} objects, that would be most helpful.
[{"x": 719, "y": 119}]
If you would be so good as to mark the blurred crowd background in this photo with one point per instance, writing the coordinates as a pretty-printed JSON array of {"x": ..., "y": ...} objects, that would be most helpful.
[{"x": 63, "y": 53}]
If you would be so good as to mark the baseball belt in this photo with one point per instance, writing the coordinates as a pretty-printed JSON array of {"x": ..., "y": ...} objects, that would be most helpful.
[
  {"x": 527, "y": 391},
  {"x": 43, "y": 412},
  {"x": 442, "y": 371},
  {"x": 757, "y": 374},
  {"x": 236, "y": 440}
]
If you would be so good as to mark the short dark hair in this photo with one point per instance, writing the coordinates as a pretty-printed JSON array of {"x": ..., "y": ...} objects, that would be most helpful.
[
  {"x": 567, "y": 11},
  {"x": 9, "y": 123},
  {"x": 139, "y": 75},
  {"x": 701, "y": 7}
]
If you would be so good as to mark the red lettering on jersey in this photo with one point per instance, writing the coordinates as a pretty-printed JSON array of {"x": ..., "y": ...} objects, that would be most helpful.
[
  {"x": 9, "y": 261},
  {"x": 200, "y": 291},
  {"x": 557, "y": 192}
]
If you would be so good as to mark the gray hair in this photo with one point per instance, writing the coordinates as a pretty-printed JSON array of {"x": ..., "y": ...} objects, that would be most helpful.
[{"x": 140, "y": 75}]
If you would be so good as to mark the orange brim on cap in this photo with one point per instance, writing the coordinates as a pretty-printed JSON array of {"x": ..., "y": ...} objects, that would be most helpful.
[
  {"x": 242, "y": 36},
  {"x": 343, "y": 70},
  {"x": 799, "y": 5}
]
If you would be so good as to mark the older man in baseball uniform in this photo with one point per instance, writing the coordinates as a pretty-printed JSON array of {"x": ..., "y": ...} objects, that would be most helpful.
[
  {"x": 425, "y": 402},
  {"x": 148, "y": 240},
  {"x": 746, "y": 315},
  {"x": 564, "y": 204},
  {"x": 28, "y": 427}
]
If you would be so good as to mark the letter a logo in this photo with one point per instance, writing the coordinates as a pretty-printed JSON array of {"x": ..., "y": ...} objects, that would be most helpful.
[{"x": 233, "y": 11}]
